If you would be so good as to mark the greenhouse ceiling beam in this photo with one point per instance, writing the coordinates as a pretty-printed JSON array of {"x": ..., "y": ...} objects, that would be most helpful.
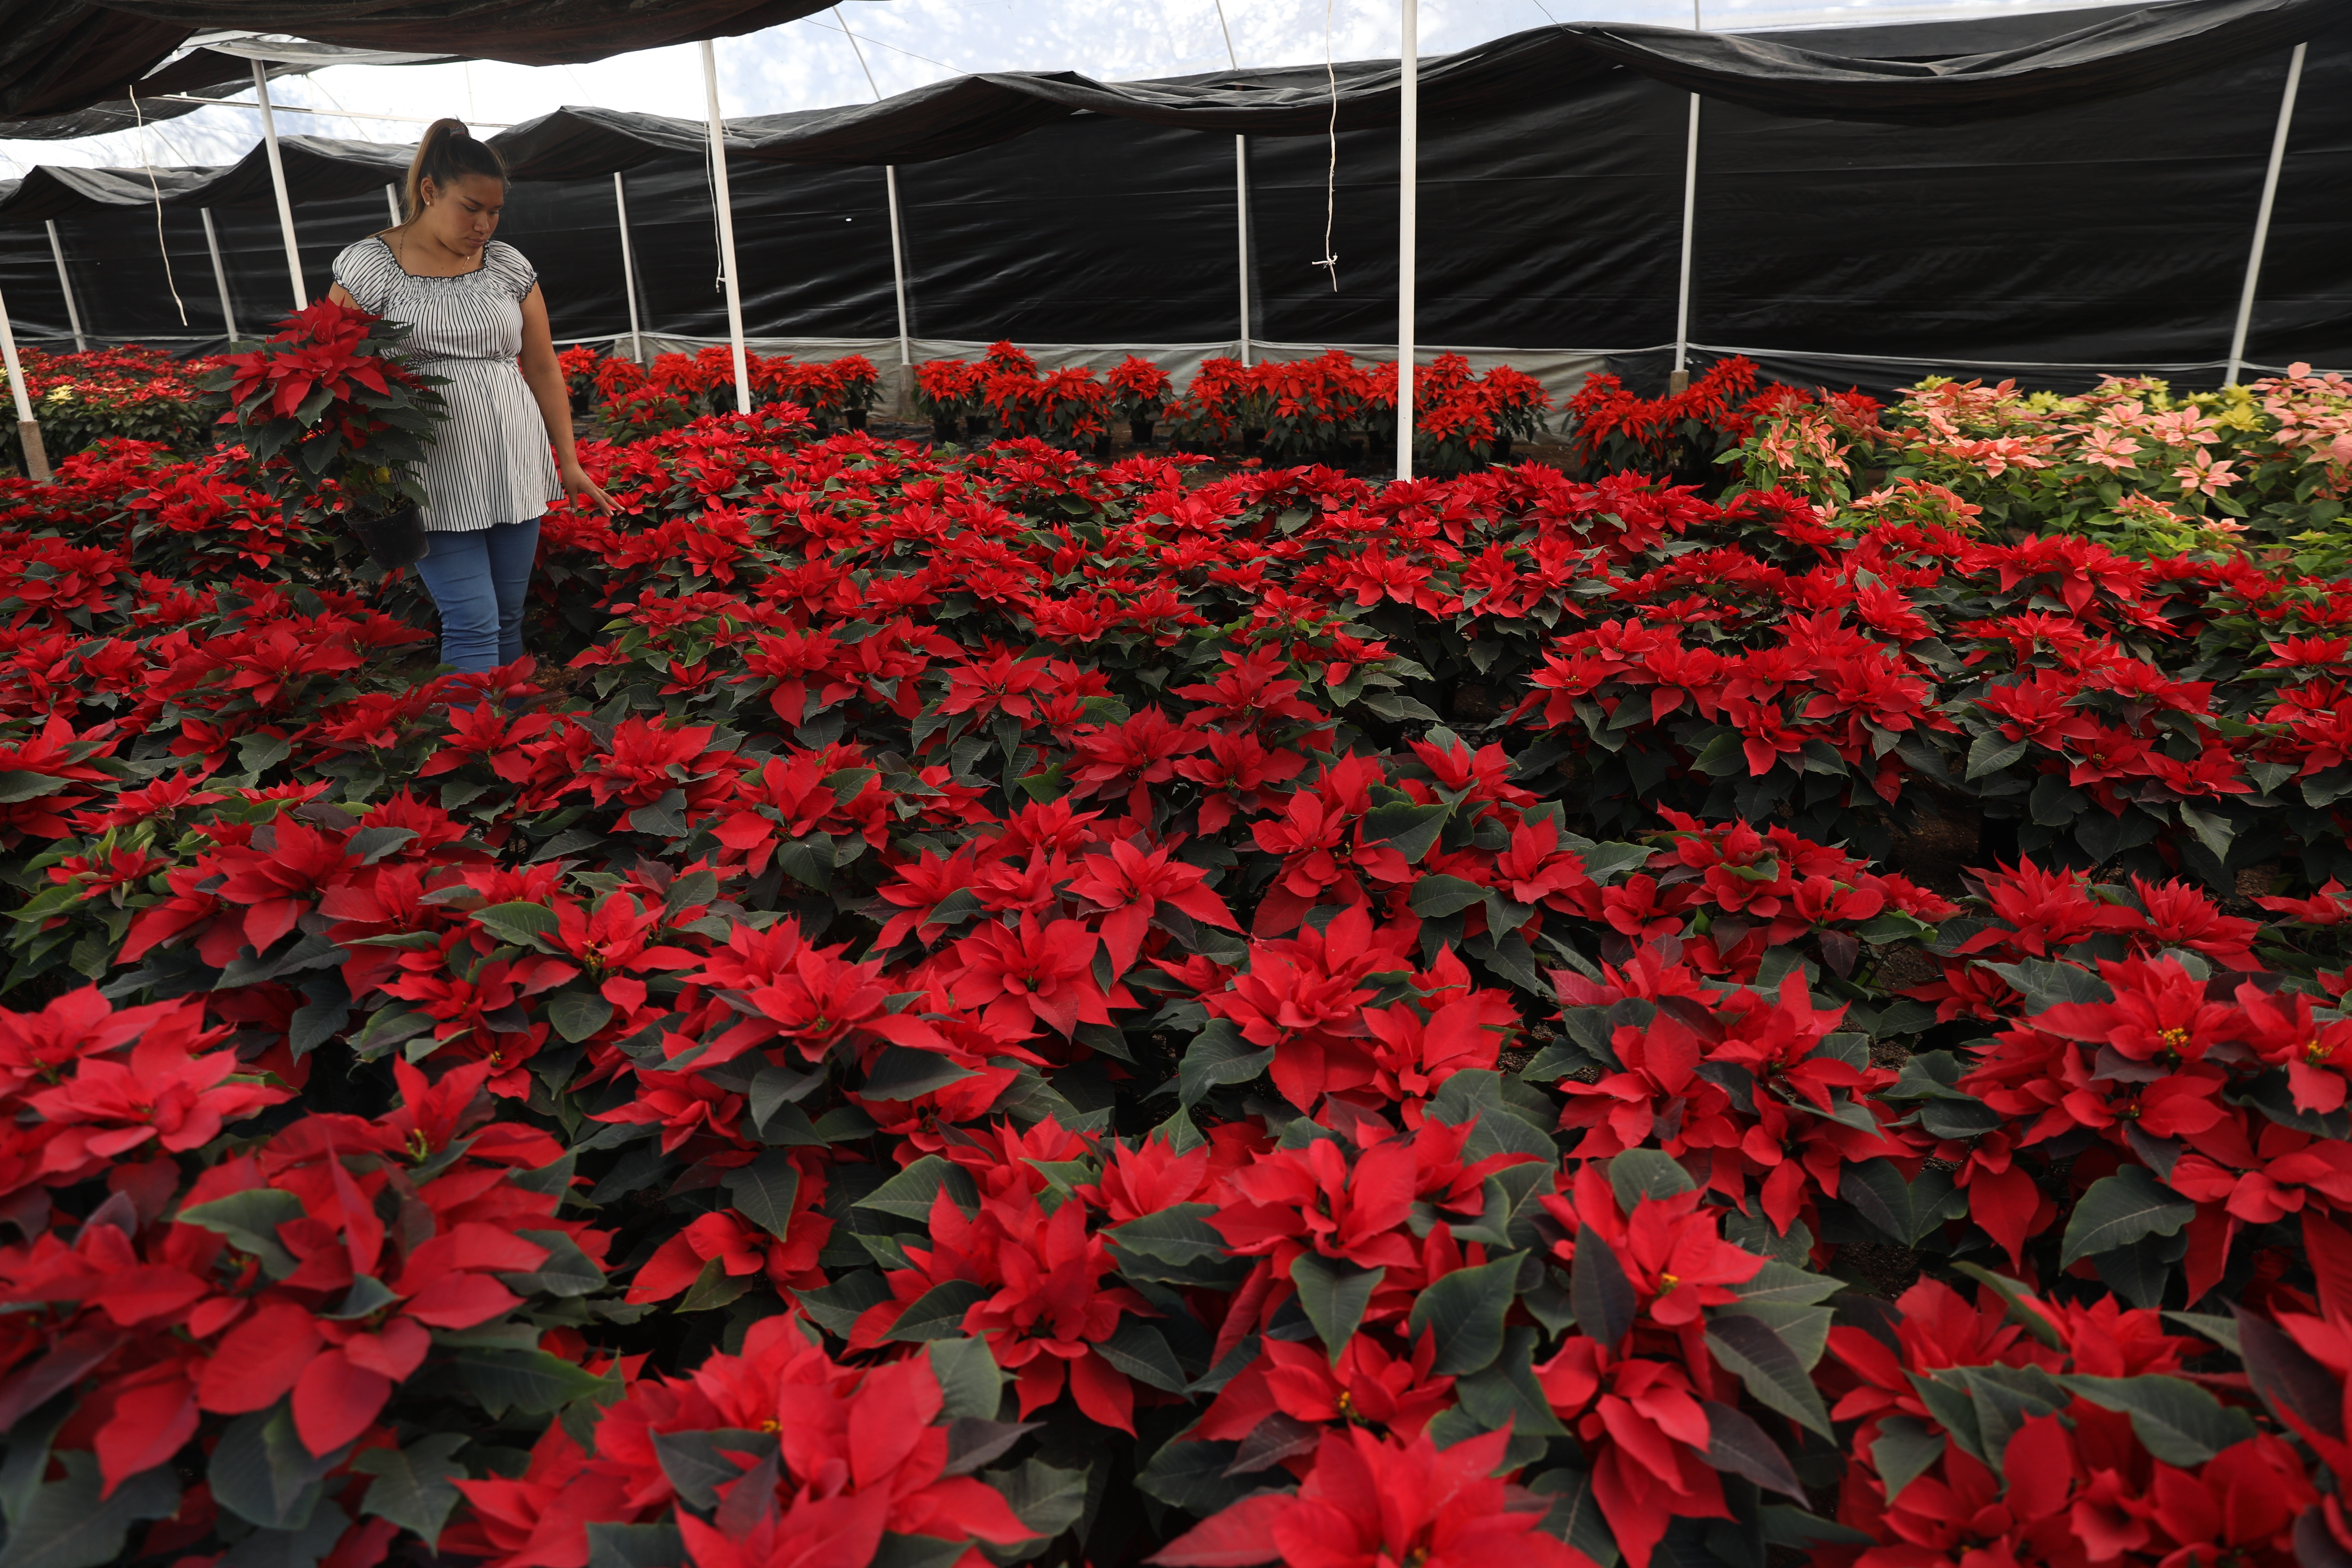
[
  {"x": 2263, "y": 216},
  {"x": 726, "y": 230},
  {"x": 1407, "y": 215},
  {"x": 278, "y": 183}
]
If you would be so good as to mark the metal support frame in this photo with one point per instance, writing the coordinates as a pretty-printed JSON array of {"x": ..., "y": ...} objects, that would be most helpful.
[
  {"x": 726, "y": 230},
  {"x": 220, "y": 273},
  {"x": 278, "y": 183},
  {"x": 1679, "y": 381},
  {"x": 391, "y": 202},
  {"x": 28, "y": 429},
  {"x": 1407, "y": 215},
  {"x": 2263, "y": 217},
  {"x": 628, "y": 269},
  {"x": 1242, "y": 234},
  {"x": 65, "y": 285},
  {"x": 899, "y": 281}
]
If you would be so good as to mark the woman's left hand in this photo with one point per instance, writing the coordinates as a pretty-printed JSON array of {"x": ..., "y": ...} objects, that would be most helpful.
[{"x": 576, "y": 482}]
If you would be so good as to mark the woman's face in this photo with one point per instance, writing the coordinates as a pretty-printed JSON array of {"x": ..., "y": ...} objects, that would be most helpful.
[{"x": 464, "y": 214}]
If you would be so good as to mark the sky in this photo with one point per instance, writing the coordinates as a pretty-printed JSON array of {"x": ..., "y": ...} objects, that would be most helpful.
[{"x": 815, "y": 62}]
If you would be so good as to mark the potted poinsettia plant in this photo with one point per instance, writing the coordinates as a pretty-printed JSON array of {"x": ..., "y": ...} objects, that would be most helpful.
[
  {"x": 1140, "y": 389},
  {"x": 338, "y": 421}
]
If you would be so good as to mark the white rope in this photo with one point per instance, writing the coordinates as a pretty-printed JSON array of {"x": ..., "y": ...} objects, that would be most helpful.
[
  {"x": 1331, "y": 173},
  {"x": 140, "y": 116}
]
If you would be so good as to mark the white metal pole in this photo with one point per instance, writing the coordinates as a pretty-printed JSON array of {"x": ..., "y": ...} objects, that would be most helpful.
[
  {"x": 1408, "y": 199},
  {"x": 629, "y": 269},
  {"x": 28, "y": 429},
  {"x": 277, "y": 180},
  {"x": 73, "y": 312},
  {"x": 898, "y": 278},
  {"x": 2263, "y": 217},
  {"x": 1241, "y": 233},
  {"x": 1680, "y": 379},
  {"x": 391, "y": 202},
  {"x": 726, "y": 230},
  {"x": 1241, "y": 192},
  {"x": 220, "y": 273}
]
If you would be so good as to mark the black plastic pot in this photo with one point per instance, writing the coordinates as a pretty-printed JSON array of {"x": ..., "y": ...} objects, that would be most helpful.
[
  {"x": 854, "y": 418},
  {"x": 975, "y": 427},
  {"x": 1141, "y": 429},
  {"x": 394, "y": 539},
  {"x": 943, "y": 431}
]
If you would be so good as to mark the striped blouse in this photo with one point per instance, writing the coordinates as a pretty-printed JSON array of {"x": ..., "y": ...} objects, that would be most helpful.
[{"x": 492, "y": 463}]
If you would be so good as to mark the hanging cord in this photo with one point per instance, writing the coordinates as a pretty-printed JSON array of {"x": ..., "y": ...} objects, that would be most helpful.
[
  {"x": 139, "y": 117},
  {"x": 1331, "y": 173}
]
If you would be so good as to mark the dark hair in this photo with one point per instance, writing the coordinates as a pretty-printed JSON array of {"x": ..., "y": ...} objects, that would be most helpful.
[{"x": 447, "y": 154}]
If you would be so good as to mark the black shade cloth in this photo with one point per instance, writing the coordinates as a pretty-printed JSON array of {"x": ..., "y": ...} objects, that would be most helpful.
[
  {"x": 2090, "y": 236},
  {"x": 64, "y": 64},
  {"x": 56, "y": 56}
]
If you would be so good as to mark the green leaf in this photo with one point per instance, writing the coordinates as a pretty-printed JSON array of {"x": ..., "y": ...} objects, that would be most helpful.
[
  {"x": 1407, "y": 828},
  {"x": 1465, "y": 1311},
  {"x": 532, "y": 1382},
  {"x": 1990, "y": 753},
  {"x": 1333, "y": 1294},
  {"x": 20, "y": 784},
  {"x": 250, "y": 1220},
  {"x": 1747, "y": 1348},
  {"x": 2175, "y": 1420},
  {"x": 1904, "y": 1451},
  {"x": 1639, "y": 1174},
  {"x": 372, "y": 844},
  {"x": 635, "y": 1545},
  {"x": 1603, "y": 1297},
  {"x": 1437, "y": 896},
  {"x": 909, "y": 1194},
  {"x": 764, "y": 1191},
  {"x": 970, "y": 1380},
  {"x": 1140, "y": 1351},
  {"x": 1046, "y": 1499},
  {"x": 1218, "y": 1055},
  {"x": 1180, "y": 1234},
  {"x": 261, "y": 1472},
  {"x": 565, "y": 1272},
  {"x": 412, "y": 1485},
  {"x": 68, "y": 1525},
  {"x": 2014, "y": 1292},
  {"x": 2121, "y": 1209},
  {"x": 577, "y": 1014},
  {"x": 903, "y": 1073},
  {"x": 522, "y": 923},
  {"x": 938, "y": 1313}
]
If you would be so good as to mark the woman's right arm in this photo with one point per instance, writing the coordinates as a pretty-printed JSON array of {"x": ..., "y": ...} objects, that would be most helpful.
[{"x": 341, "y": 296}]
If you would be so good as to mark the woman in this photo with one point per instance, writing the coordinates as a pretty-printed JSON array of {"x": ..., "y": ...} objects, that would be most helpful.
[{"x": 479, "y": 322}]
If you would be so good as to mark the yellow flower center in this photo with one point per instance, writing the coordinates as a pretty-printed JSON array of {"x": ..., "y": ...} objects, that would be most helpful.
[
  {"x": 2173, "y": 1039},
  {"x": 1666, "y": 1283},
  {"x": 2315, "y": 1052}
]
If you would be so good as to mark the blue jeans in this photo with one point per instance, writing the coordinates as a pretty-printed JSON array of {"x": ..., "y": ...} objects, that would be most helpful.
[{"x": 478, "y": 580}]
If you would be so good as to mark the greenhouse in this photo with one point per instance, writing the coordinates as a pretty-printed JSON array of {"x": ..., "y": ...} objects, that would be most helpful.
[{"x": 1581, "y": 797}]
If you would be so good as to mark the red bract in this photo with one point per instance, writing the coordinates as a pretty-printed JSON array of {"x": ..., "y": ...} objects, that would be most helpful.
[{"x": 1369, "y": 1503}]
